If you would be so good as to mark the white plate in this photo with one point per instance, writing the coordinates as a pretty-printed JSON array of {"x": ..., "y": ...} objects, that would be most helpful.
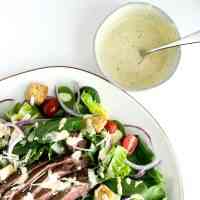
[{"x": 119, "y": 104}]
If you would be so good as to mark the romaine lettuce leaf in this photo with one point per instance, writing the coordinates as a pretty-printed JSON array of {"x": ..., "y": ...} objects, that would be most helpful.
[
  {"x": 23, "y": 111},
  {"x": 132, "y": 187},
  {"x": 129, "y": 186},
  {"x": 117, "y": 166},
  {"x": 93, "y": 106}
]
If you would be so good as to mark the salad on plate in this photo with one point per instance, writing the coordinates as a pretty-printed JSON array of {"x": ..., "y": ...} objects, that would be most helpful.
[{"x": 67, "y": 147}]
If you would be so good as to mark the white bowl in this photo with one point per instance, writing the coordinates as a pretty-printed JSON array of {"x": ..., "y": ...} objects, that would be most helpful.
[
  {"x": 111, "y": 19},
  {"x": 119, "y": 104}
]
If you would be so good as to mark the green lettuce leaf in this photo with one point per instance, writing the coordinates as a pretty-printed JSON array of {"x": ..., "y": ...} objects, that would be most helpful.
[
  {"x": 156, "y": 192},
  {"x": 117, "y": 166},
  {"x": 23, "y": 111},
  {"x": 93, "y": 106}
]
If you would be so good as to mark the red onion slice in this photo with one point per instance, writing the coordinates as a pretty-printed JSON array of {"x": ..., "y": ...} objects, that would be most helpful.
[
  {"x": 24, "y": 122},
  {"x": 10, "y": 124},
  {"x": 140, "y": 132},
  {"x": 31, "y": 121},
  {"x": 147, "y": 139},
  {"x": 143, "y": 167},
  {"x": 142, "y": 172},
  {"x": 77, "y": 90},
  {"x": 65, "y": 108},
  {"x": 16, "y": 136},
  {"x": 139, "y": 174}
]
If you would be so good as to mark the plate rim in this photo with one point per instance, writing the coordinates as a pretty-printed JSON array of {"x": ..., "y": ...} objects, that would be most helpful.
[{"x": 180, "y": 178}]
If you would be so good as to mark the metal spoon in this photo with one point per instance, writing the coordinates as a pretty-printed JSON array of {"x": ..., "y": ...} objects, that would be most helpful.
[{"x": 189, "y": 39}]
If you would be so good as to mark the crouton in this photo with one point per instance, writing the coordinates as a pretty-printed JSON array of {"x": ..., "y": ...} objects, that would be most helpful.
[
  {"x": 98, "y": 122},
  {"x": 36, "y": 91}
]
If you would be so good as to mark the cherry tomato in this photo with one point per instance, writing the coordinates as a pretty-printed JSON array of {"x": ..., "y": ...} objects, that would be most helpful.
[
  {"x": 111, "y": 127},
  {"x": 50, "y": 106},
  {"x": 130, "y": 142}
]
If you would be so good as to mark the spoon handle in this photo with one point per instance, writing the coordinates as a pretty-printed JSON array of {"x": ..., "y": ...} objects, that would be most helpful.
[{"x": 189, "y": 39}]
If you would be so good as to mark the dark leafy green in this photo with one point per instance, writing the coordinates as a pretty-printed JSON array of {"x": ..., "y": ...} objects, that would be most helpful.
[
  {"x": 40, "y": 133},
  {"x": 33, "y": 145},
  {"x": 93, "y": 92},
  {"x": 129, "y": 186},
  {"x": 143, "y": 154},
  {"x": 120, "y": 126},
  {"x": 93, "y": 106},
  {"x": 31, "y": 151},
  {"x": 153, "y": 177},
  {"x": 63, "y": 91},
  {"x": 156, "y": 192},
  {"x": 83, "y": 109},
  {"x": 74, "y": 124}
]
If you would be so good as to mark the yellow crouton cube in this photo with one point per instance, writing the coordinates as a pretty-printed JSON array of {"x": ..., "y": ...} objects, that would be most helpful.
[{"x": 36, "y": 91}]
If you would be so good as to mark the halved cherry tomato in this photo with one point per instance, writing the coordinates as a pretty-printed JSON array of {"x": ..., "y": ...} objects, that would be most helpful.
[
  {"x": 50, "y": 106},
  {"x": 130, "y": 142},
  {"x": 111, "y": 126}
]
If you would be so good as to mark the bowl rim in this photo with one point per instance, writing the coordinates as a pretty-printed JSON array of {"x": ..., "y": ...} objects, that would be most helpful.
[
  {"x": 79, "y": 68},
  {"x": 103, "y": 72}
]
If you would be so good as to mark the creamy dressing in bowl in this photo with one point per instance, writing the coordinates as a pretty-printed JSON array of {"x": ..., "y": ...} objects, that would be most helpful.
[{"x": 135, "y": 27}]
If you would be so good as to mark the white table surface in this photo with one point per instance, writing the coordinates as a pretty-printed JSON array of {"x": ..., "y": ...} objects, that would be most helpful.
[{"x": 35, "y": 33}]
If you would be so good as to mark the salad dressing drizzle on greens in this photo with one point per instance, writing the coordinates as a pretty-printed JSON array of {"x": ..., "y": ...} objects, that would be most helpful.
[{"x": 75, "y": 125}]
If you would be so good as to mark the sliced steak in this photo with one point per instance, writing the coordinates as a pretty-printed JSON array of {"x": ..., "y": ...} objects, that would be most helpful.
[
  {"x": 74, "y": 193},
  {"x": 14, "y": 194},
  {"x": 12, "y": 180},
  {"x": 77, "y": 192},
  {"x": 70, "y": 170}
]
